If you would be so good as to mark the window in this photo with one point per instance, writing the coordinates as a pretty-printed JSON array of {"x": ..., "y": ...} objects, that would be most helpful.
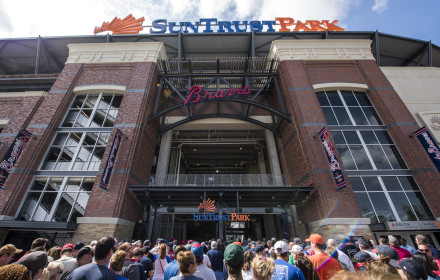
[
  {"x": 56, "y": 199},
  {"x": 365, "y": 146}
]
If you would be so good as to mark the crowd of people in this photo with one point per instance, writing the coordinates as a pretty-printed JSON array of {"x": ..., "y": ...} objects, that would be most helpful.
[{"x": 313, "y": 259}]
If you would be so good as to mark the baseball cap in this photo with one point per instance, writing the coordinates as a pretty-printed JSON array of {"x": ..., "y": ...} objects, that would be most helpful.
[
  {"x": 9, "y": 249},
  {"x": 413, "y": 268},
  {"x": 297, "y": 240},
  {"x": 93, "y": 243},
  {"x": 66, "y": 247},
  {"x": 233, "y": 255},
  {"x": 84, "y": 251},
  {"x": 281, "y": 247},
  {"x": 197, "y": 249},
  {"x": 259, "y": 248},
  {"x": 296, "y": 249},
  {"x": 316, "y": 238},
  {"x": 362, "y": 257},
  {"x": 391, "y": 253},
  {"x": 34, "y": 260},
  {"x": 213, "y": 244},
  {"x": 78, "y": 245},
  {"x": 364, "y": 242}
]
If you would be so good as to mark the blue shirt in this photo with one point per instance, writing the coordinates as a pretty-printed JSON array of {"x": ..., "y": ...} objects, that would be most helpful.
[
  {"x": 92, "y": 271},
  {"x": 216, "y": 258},
  {"x": 147, "y": 263},
  {"x": 171, "y": 270},
  {"x": 286, "y": 271}
]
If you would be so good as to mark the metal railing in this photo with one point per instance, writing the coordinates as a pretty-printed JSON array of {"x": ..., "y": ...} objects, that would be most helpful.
[{"x": 233, "y": 180}]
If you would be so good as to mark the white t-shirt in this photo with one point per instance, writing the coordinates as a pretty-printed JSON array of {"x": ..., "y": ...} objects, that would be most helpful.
[
  {"x": 206, "y": 261},
  {"x": 205, "y": 273},
  {"x": 159, "y": 268},
  {"x": 248, "y": 275}
]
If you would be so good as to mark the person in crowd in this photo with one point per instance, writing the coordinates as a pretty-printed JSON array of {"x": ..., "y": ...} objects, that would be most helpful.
[
  {"x": 325, "y": 265},
  {"x": 363, "y": 260},
  {"x": 93, "y": 243},
  {"x": 295, "y": 252},
  {"x": 262, "y": 268},
  {"x": 187, "y": 266},
  {"x": 216, "y": 257},
  {"x": 331, "y": 251},
  {"x": 307, "y": 268},
  {"x": 247, "y": 272},
  {"x": 146, "y": 262},
  {"x": 284, "y": 270},
  {"x": 425, "y": 248},
  {"x": 406, "y": 246},
  {"x": 427, "y": 264},
  {"x": 36, "y": 262},
  {"x": 412, "y": 269},
  {"x": 83, "y": 257},
  {"x": 160, "y": 264},
  {"x": 206, "y": 260},
  {"x": 366, "y": 246},
  {"x": 395, "y": 244},
  {"x": 67, "y": 260},
  {"x": 342, "y": 257},
  {"x": 422, "y": 239},
  {"x": 76, "y": 248},
  {"x": 7, "y": 253},
  {"x": 364, "y": 275},
  {"x": 261, "y": 250},
  {"x": 233, "y": 257},
  {"x": 130, "y": 269},
  {"x": 170, "y": 251},
  {"x": 52, "y": 271},
  {"x": 117, "y": 262},
  {"x": 349, "y": 248},
  {"x": 383, "y": 242},
  {"x": 172, "y": 268},
  {"x": 15, "y": 272},
  {"x": 147, "y": 243},
  {"x": 382, "y": 268},
  {"x": 220, "y": 245},
  {"x": 137, "y": 256},
  {"x": 54, "y": 253},
  {"x": 97, "y": 270},
  {"x": 39, "y": 244},
  {"x": 202, "y": 271},
  {"x": 391, "y": 254}
]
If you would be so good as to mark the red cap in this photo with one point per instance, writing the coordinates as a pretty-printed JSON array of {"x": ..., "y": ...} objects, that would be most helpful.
[
  {"x": 67, "y": 247},
  {"x": 316, "y": 238}
]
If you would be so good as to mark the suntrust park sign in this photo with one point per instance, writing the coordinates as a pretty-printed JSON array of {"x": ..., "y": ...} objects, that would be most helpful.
[
  {"x": 208, "y": 206},
  {"x": 131, "y": 25}
]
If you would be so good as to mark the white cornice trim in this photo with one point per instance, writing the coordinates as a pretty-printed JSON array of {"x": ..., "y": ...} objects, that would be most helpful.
[
  {"x": 104, "y": 220},
  {"x": 116, "y": 52},
  {"x": 341, "y": 86},
  {"x": 23, "y": 94},
  {"x": 321, "y": 50},
  {"x": 340, "y": 221},
  {"x": 6, "y": 218},
  {"x": 99, "y": 88}
]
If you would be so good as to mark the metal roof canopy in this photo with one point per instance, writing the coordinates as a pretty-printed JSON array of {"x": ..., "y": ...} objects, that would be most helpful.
[
  {"x": 47, "y": 55},
  {"x": 243, "y": 196}
]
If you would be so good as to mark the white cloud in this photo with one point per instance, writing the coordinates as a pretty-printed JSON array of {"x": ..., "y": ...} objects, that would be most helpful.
[
  {"x": 30, "y": 18},
  {"x": 380, "y": 6}
]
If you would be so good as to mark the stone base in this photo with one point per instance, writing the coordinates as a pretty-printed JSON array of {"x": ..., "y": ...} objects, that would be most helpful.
[
  {"x": 339, "y": 229},
  {"x": 91, "y": 228}
]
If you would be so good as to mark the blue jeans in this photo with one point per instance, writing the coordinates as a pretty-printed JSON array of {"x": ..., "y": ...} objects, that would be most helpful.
[{"x": 218, "y": 275}]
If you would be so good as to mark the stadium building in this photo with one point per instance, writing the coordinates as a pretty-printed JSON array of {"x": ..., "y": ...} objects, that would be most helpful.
[{"x": 206, "y": 135}]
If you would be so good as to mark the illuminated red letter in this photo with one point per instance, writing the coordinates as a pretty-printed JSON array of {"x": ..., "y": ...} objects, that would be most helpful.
[
  {"x": 284, "y": 22},
  {"x": 331, "y": 26},
  {"x": 301, "y": 26},
  {"x": 196, "y": 91},
  {"x": 315, "y": 25}
]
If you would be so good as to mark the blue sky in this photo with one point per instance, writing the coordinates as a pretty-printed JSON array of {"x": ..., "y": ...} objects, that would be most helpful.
[{"x": 25, "y": 18}]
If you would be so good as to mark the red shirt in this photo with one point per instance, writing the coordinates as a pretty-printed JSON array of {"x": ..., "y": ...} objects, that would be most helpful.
[
  {"x": 403, "y": 253},
  {"x": 325, "y": 265}
]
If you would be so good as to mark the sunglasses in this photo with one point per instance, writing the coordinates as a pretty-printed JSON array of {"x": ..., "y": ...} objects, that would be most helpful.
[
  {"x": 61, "y": 272},
  {"x": 425, "y": 251}
]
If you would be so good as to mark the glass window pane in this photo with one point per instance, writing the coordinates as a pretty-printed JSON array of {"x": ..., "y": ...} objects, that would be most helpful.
[
  {"x": 402, "y": 206},
  {"x": 29, "y": 206},
  {"x": 79, "y": 100},
  {"x": 420, "y": 206},
  {"x": 342, "y": 116},
  {"x": 65, "y": 158},
  {"x": 98, "y": 153},
  {"x": 91, "y": 101},
  {"x": 60, "y": 139},
  {"x": 70, "y": 119},
  {"x": 322, "y": 99},
  {"x": 74, "y": 139},
  {"x": 382, "y": 207},
  {"x": 83, "y": 158},
  {"x": 346, "y": 158},
  {"x": 362, "y": 99},
  {"x": 105, "y": 102},
  {"x": 333, "y": 96},
  {"x": 63, "y": 210},
  {"x": 384, "y": 137},
  {"x": 103, "y": 138},
  {"x": 358, "y": 116},
  {"x": 391, "y": 183},
  {"x": 98, "y": 118},
  {"x": 54, "y": 185},
  {"x": 372, "y": 116},
  {"x": 368, "y": 137},
  {"x": 329, "y": 116},
  {"x": 83, "y": 118},
  {"x": 372, "y": 184},
  {"x": 366, "y": 207},
  {"x": 360, "y": 157},
  {"x": 408, "y": 183},
  {"x": 81, "y": 202},
  {"x": 337, "y": 136},
  {"x": 51, "y": 158},
  {"x": 87, "y": 186},
  {"x": 394, "y": 157},
  {"x": 349, "y": 98},
  {"x": 38, "y": 185},
  {"x": 117, "y": 99},
  {"x": 378, "y": 156},
  {"x": 352, "y": 137},
  {"x": 72, "y": 186},
  {"x": 110, "y": 118},
  {"x": 45, "y": 206},
  {"x": 356, "y": 184}
]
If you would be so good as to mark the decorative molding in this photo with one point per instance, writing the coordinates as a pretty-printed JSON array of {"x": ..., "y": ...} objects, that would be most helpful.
[
  {"x": 6, "y": 218},
  {"x": 321, "y": 50},
  {"x": 104, "y": 220},
  {"x": 431, "y": 120},
  {"x": 3, "y": 123},
  {"x": 116, "y": 52},
  {"x": 23, "y": 94},
  {"x": 99, "y": 88},
  {"x": 341, "y": 86},
  {"x": 340, "y": 221}
]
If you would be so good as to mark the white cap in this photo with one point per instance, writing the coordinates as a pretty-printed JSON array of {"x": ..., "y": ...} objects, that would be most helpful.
[
  {"x": 296, "y": 249},
  {"x": 93, "y": 243},
  {"x": 213, "y": 244},
  {"x": 281, "y": 247}
]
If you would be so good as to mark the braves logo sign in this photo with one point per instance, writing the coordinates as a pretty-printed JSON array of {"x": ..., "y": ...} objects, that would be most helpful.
[{"x": 207, "y": 205}]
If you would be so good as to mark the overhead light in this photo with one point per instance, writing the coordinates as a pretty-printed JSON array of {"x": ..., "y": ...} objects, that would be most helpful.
[
  {"x": 195, "y": 150},
  {"x": 241, "y": 148},
  {"x": 216, "y": 171}
]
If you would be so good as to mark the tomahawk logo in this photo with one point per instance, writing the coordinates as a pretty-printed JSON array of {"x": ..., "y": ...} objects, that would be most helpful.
[{"x": 208, "y": 205}]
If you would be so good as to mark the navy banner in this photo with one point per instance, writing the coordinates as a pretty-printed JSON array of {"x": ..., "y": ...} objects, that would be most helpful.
[
  {"x": 333, "y": 161},
  {"x": 111, "y": 160},
  {"x": 7, "y": 164},
  {"x": 430, "y": 146}
]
